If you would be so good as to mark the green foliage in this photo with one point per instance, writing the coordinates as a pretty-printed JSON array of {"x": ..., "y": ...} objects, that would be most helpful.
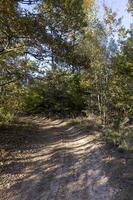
[
  {"x": 122, "y": 138},
  {"x": 59, "y": 92},
  {"x": 121, "y": 81},
  {"x": 32, "y": 100},
  {"x": 88, "y": 70},
  {"x": 10, "y": 102},
  {"x": 130, "y": 6},
  {"x": 16, "y": 74}
]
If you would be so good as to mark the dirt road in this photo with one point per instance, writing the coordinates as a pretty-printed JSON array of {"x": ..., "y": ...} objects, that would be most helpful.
[{"x": 57, "y": 162}]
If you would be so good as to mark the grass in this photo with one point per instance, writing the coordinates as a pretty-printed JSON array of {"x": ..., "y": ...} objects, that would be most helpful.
[{"x": 121, "y": 138}]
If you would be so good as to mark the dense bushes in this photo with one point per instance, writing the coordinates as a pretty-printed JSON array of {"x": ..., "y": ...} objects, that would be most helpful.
[
  {"x": 89, "y": 72},
  {"x": 57, "y": 93},
  {"x": 11, "y": 101},
  {"x": 121, "y": 138}
]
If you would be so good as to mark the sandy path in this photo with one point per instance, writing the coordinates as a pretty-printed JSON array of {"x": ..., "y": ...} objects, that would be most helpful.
[{"x": 66, "y": 166}]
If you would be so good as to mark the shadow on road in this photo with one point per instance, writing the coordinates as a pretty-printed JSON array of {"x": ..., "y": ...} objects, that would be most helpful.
[{"x": 54, "y": 160}]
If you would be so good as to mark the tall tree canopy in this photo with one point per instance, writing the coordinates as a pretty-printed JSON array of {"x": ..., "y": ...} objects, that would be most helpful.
[{"x": 86, "y": 68}]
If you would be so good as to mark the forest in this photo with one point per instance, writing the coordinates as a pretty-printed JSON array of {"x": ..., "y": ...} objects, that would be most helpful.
[{"x": 59, "y": 60}]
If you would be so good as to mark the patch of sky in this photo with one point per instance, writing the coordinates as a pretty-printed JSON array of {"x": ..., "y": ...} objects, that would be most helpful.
[{"x": 118, "y": 6}]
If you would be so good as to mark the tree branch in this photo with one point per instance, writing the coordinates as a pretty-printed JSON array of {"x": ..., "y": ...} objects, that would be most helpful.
[{"x": 7, "y": 83}]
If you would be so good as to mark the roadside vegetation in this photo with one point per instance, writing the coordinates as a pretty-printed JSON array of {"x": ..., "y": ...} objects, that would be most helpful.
[{"x": 58, "y": 59}]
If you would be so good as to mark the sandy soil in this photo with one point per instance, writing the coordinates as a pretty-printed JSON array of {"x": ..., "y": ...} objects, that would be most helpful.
[{"x": 55, "y": 161}]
